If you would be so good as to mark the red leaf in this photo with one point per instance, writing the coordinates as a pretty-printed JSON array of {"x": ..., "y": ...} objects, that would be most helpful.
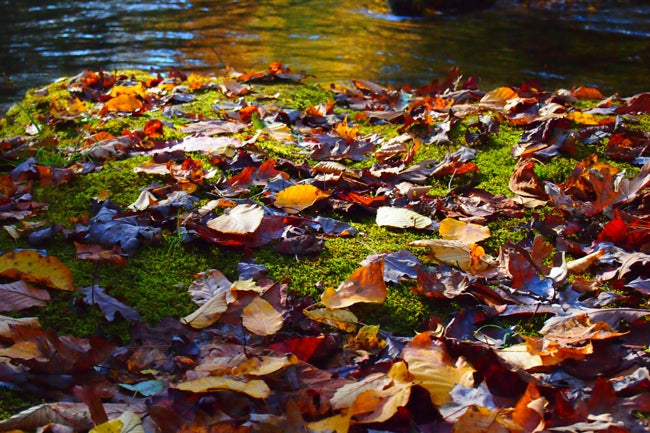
[{"x": 303, "y": 348}]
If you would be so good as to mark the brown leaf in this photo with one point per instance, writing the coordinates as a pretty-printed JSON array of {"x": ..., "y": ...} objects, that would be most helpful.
[
  {"x": 98, "y": 254},
  {"x": 19, "y": 295},
  {"x": 253, "y": 388}
]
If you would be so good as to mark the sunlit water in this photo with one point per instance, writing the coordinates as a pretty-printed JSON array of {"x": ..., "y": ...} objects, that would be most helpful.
[{"x": 332, "y": 40}]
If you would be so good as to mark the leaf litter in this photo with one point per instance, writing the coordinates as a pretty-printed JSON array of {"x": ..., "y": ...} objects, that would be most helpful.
[{"x": 252, "y": 357}]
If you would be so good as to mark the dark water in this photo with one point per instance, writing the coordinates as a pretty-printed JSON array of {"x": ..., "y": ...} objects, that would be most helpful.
[{"x": 333, "y": 40}]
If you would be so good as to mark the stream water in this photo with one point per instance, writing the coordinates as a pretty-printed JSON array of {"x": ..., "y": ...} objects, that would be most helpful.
[{"x": 334, "y": 40}]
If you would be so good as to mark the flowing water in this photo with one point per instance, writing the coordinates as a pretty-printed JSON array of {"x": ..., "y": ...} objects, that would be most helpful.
[{"x": 332, "y": 40}]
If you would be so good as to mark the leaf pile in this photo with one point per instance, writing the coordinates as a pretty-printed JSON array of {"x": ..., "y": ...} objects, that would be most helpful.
[{"x": 255, "y": 357}]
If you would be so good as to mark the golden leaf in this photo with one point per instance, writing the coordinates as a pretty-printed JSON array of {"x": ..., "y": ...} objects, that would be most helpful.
[
  {"x": 123, "y": 102},
  {"x": 253, "y": 388},
  {"x": 298, "y": 197},
  {"x": 433, "y": 368},
  {"x": 29, "y": 265},
  {"x": 452, "y": 229},
  {"x": 261, "y": 318}
]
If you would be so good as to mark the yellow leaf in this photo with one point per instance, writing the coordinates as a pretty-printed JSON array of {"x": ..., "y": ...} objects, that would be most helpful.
[
  {"x": 128, "y": 422},
  {"x": 366, "y": 284},
  {"x": 137, "y": 90},
  {"x": 298, "y": 197},
  {"x": 342, "y": 319},
  {"x": 112, "y": 426},
  {"x": 452, "y": 229},
  {"x": 29, "y": 265},
  {"x": 261, "y": 318},
  {"x": 123, "y": 102},
  {"x": 338, "y": 423},
  {"x": 264, "y": 365},
  {"x": 433, "y": 368},
  {"x": 478, "y": 419},
  {"x": 253, "y": 388},
  {"x": 582, "y": 118}
]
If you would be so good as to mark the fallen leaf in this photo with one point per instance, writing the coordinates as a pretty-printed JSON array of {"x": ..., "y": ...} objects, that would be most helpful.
[
  {"x": 468, "y": 257},
  {"x": 242, "y": 219},
  {"x": 19, "y": 295},
  {"x": 401, "y": 218},
  {"x": 253, "y": 388},
  {"x": 8, "y": 325},
  {"x": 298, "y": 197},
  {"x": 433, "y": 368},
  {"x": 108, "y": 304},
  {"x": 340, "y": 318},
  {"x": 123, "y": 102},
  {"x": 469, "y": 233},
  {"x": 261, "y": 318},
  {"x": 366, "y": 284},
  {"x": 29, "y": 265}
]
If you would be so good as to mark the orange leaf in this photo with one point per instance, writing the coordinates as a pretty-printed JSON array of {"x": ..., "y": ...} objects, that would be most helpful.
[
  {"x": 529, "y": 411},
  {"x": 587, "y": 93},
  {"x": 123, "y": 102},
  {"x": 366, "y": 284}
]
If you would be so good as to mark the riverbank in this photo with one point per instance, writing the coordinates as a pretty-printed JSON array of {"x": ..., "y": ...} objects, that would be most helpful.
[{"x": 233, "y": 251}]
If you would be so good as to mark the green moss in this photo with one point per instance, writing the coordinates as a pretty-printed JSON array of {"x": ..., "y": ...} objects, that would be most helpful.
[
  {"x": 495, "y": 161},
  {"x": 74, "y": 199},
  {"x": 12, "y": 402}
]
